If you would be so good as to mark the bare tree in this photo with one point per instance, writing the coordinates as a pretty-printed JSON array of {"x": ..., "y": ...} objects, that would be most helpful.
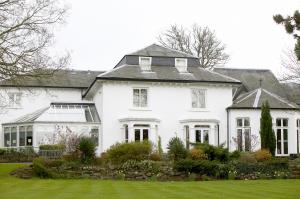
[
  {"x": 291, "y": 65},
  {"x": 240, "y": 145},
  {"x": 199, "y": 41},
  {"x": 26, "y": 33}
]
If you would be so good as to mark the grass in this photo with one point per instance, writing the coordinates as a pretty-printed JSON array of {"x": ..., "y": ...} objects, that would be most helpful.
[{"x": 13, "y": 188}]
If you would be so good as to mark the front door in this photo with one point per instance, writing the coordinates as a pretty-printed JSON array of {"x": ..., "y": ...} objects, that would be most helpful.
[
  {"x": 141, "y": 133},
  {"x": 202, "y": 135}
]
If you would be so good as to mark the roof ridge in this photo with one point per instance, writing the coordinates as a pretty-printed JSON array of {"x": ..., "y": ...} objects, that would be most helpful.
[
  {"x": 222, "y": 75},
  {"x": 250, "y": 93},
  {"x": 240, "y": 68},
  {"x": 257, "y": 97},
  {"x": 279, "y": 98}
]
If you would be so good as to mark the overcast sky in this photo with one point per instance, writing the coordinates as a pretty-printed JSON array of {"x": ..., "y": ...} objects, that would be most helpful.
[{"x": 99, "y": 33}]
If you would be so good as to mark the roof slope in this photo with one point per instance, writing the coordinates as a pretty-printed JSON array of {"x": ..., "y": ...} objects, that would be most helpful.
[
  {"x": 255, "y": 78},
  {"x": 255, "y": 99},
  {"x": 166, "y": 73},
  {"x": 155, "y": 50},
  {"x": 293, "y": 91},
  {"x": 60, "y": 79}
]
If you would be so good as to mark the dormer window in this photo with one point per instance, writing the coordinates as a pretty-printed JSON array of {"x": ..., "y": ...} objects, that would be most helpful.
[
  {"x": 181, "y": 65},
  {"x": 145, "y": 63}
]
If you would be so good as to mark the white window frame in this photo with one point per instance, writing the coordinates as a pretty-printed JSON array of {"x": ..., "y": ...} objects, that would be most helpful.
[
  {"x": 18, "y": 135},
  {"x": 145, "y": 67},
  {"x": 14, "y": 104},
  {"x": 141, "y": 129},
  {"x": 205, "y": 99},
  {"x": 282, "y": 128},
  {"x": 182, "y": 68},
  {"x": 140, "y": 101},
  {"x": 243, "y": 128},
  {"x": 202, "y": 130}
]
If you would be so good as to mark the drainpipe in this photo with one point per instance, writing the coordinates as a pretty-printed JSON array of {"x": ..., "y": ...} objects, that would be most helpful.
[
  {"x": 218, "y": 131},
  {"x": 298, "y": 144}
]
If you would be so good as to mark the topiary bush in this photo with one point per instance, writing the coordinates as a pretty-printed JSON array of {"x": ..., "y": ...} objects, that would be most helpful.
[
  {"x": 262, "y": 155},
  {"x": 176, "y": 149},
  {"x": 122, "y": 152},
  {"x": 87, "y": 148}
]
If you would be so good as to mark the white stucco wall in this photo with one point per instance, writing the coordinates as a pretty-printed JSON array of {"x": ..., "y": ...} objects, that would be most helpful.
[
  {"x": 168, "y": 102},
  {"x": 254, "y": 116}
]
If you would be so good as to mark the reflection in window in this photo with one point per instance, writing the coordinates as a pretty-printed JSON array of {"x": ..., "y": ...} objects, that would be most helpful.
[
  {"x": 243, "y": 134},
  {"x": 282, "y": 136},
  {"x": 140, "y": 97},
  {"x": 95, "y": 135},
  {"x": 198, "y": 98}
]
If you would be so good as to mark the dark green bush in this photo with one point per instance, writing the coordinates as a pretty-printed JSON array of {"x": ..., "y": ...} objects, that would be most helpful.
[
  {"x": 217, "y": 153},
  {"x": 122, "y": 152},
  {"x": 87, "y": 148},
  {"x": 203, "y": 167},
  {"x": 176, "y": 149},
  {"x": 40, "y": 169},
  {"x": 234, "y": 155},
  {"x": 2, "y": 151},
  {"x": 52, "y": 147},
  {"x": 26, "y": 154}
]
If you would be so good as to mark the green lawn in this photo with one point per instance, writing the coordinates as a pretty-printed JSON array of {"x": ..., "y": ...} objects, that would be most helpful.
[{"x": 13, "y": 188}]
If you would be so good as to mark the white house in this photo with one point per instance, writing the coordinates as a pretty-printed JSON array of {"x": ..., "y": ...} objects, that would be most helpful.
[{"x": 151, "y": 93}]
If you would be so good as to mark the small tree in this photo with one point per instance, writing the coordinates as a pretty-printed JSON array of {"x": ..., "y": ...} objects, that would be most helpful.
[
  {"x": 87, "y": 148},
  {"x": 176, "y": 149},
  {"x": 267, "y": 135}
]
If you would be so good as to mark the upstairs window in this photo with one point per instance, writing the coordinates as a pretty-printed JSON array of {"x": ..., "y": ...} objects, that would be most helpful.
[
  {"x": 140, "y": 97},
  {"x": 198, "y": 98},
  {"x": 181, "y": 65},
  {"x": 14, "y": 100},
  {"x": 145, "y": 63}
]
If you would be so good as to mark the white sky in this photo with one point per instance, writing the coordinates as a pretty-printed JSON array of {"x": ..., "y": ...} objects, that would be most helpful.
[{"x": 99, "y": 33}]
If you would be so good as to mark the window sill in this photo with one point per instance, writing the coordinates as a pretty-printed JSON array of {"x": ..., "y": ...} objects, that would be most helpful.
[
  {"x": 140, "y": 109},
  {"x": 199, "y": 110}
]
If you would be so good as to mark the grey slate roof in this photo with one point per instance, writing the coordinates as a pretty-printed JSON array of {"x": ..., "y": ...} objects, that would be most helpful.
[
  {"x": 155, "y": 50},
  {"x": 166, "y": 73},
  {"x": 255, "y": 99},
  {"x": 60, "y": 79},
  {"x": 293, "y": 91},
  {"x": 250, "y": 79}
]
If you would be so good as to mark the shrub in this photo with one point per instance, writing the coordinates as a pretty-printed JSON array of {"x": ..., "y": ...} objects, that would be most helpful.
[
  {"x": 155, "y": 157},
  {"x": 247, "y": 157},
  {"x": 52, "y": 147},
  {"x": 197, "y": 154},
  {"x": 87, "y": 147},
  {"x": 40, "y": 169},
  {"x": 214, "y": 152},
  {"x": 146, "y": 166},
  {"x": 176, "y": 149},
  {"x": 120, "y": 153},
  {"x": 262, "y": 155},
  {"x": 25, "y": 154},
  {"x": 2, "y": 151},
  {"x": 160, "y": 150},
  {"x": 234, "y": 155}
]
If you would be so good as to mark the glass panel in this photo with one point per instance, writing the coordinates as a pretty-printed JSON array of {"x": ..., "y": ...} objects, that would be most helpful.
[
  {"x": 278, "y": 122},
  {"x": 187, "y": 137},
  {"x": 205, "y": 136},
  {"x": 247, "y": 140},
  {"x": 22, "y": 136},
  {"x": 137, "y": 135},
  {"x": 136, "y": 94},
  {"x": 126, "y": 133},
  {"x": 95, "y": 135},
  {"x": 201, "y": 98},
  {"x": 11, "y": 99},
  {"x": 18, "y": 99},
  {"x": 7, "y": 136},
  {"x": 239, "y": 122},
  {"x": 198, "y": 136},
  {"x": 145, "y": 134},
  {"x": 13, "y": 136},
  {"x": 194, "y": 99},
  {"x": 285, "y": 141},
  {"x": 246, "y": 122},
  {"x": 94, "y": 113},
  {"x": 88, "y": 116},
  {"x": 29, "y": 136},
  {"x": 278, "y": 137},
  {"x": 240, "y": 139},
  {"x": 285, "y": 122},
  {"x": 143, "y": 97}
]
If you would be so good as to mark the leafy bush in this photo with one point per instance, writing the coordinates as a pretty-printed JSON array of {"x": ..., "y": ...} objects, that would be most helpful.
[
  {"x": 26, "y": 154},
  {"x": 87, "y": 147},
  {"x": 197, "y": 154},
  {"x": 40, "y": 169},
  {"x": 202, "y": 167},
  {"x": 217, "y": 153},
  {"x": 155, "y": 157},
  {"x": 52, "y": 147},
  {"x": 247, "y": 157},
  {"x": 262, "y": 155},
  {"x": 234, "y": 155},
  {"x": 2, "y": 151},
  {"x": 122, "y": 152},
  {"x": 146, "y": 166},
  {"x": 176, "y": 149}
]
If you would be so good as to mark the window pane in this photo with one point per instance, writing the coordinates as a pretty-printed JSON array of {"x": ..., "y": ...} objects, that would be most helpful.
[
  {"x": 194, "y": 99},
  {"x": 88, "y": 116},
  {"x": 278, "y": 137},
  {"x": 285, "y": 141},
  {"x": 187, "y": 137},
  {"x": 13, "y": 136},
  {"x": 95, "y": 135},
  {"x": 285, "y": 122},
  {"x": 126, "y": 133},
  {"x": 22, "y": 136},
  {"x": 246, "y": 122},
  {"x": 240, "y": 140},
  {"x": 239, "y": 122},
  {"x": 198, "y": 136},
  {"x": 7, "y": 137},
  {"x": 29, "y": 136},
  {"x": 278, "y": 122},
  {"x": 145, "y": 134},
  {"x": 143, "y": 97},
  {"x": 136, "y": 95},
  {"x": 137, "y": 135},
  {"x": 205, "y": 136},
  {"x": 201, "y": 96},
  {"x": 247, "y": 140}
]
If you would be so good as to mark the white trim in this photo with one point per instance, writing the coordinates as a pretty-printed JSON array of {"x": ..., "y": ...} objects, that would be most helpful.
[
  {"x": 257, "y": 97},
  {"x": 246, "y": 97}
]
